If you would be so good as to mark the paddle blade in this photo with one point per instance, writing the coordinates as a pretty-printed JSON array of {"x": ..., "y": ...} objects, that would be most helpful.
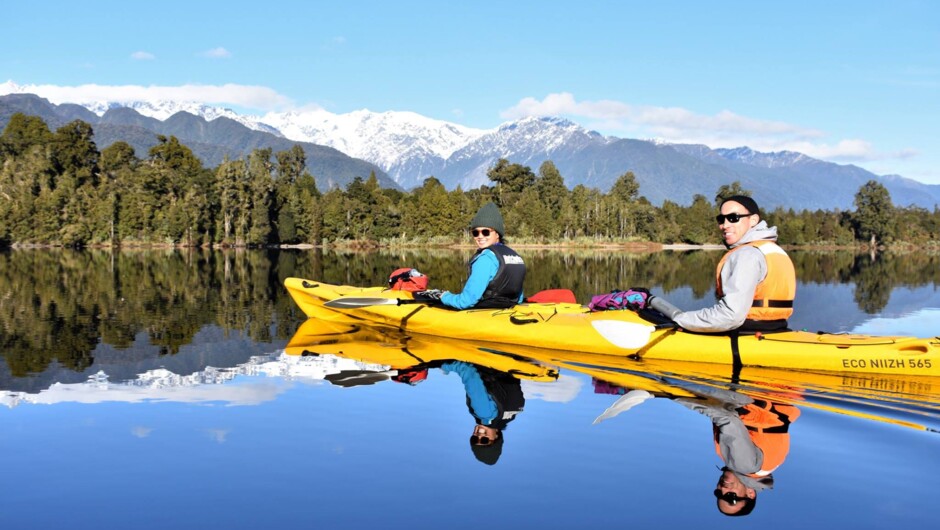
[
  {"x": 351, "y": 303},
  {"x": 348, "y": 378},
  {"x": 625, "y": 403},
  {"x": 627, "y": 335}
]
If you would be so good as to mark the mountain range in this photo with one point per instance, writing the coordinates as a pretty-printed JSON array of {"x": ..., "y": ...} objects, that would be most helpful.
[{"x": 403, "y": 148}]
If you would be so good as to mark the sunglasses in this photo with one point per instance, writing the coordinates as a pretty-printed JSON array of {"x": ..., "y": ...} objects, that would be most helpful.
[
  {"x": 485, "y": 232},
  {"x": 730, "y": 497},
  {"x": 481, "y": 440},
  {"x": 731, "y": 217}
]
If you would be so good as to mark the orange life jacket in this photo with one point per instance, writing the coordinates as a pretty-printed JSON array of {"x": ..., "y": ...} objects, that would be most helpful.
[
  {"x": 768, "y": 425},
  {"x": 773, "y": 298}
]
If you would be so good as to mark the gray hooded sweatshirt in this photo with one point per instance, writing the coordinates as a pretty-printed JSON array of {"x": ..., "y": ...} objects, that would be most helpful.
[{"x": 742, "y": 271}]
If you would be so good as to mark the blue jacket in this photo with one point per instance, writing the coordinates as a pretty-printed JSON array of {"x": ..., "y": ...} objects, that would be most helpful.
[{"x": 483, "y": 270}]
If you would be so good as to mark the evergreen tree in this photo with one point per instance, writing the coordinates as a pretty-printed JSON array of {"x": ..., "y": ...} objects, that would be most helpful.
[
  {"x": 21, "y": 133},
  {"x": 552, "y": 192},
  {"x": 731, "y": 190},
  {"x": 511, "y": 180},
  {"x": 874, "y": 214},
  {"x": 260, "y": 201}
]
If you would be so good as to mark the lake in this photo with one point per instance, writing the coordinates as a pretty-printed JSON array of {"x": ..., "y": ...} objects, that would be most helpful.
[{"x": 157, "y": 389}]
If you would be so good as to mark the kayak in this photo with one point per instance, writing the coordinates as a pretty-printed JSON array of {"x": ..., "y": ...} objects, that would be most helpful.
[
  {"x": 400, "y": 352},
  {"x": 899, "y": 399},
  {"x": 573, "y": 327},
  {"x": 904, "y": 400}
]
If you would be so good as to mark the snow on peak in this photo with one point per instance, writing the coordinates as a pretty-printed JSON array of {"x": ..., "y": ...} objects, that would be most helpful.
[
  {"x": 747, "y": 155},
  {"x": 383, "y": 138}
]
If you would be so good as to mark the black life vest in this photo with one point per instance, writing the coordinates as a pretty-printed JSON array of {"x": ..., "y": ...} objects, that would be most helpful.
[{"x": 505, "y": 288}]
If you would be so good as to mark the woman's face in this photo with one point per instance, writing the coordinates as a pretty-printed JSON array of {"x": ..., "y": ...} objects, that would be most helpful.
[{"x": 484, "y": 236}]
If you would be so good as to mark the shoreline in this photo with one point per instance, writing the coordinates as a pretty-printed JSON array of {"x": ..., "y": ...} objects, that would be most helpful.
[{"x": 633, "y": 246}]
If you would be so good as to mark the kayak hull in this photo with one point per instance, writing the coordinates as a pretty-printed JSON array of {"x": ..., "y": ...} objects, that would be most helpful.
[{"x": 572, "y": 327}]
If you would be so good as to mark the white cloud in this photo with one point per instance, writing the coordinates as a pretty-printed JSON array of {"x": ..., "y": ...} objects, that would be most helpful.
[
  {"x": 247, "y": 96},
  {"x": 143, "y": 56},
  {"x": 219, "y": 435},
  {"x": 217, "y": 53},
  {"x": 664, "y": 122},
  {"x": 141, "y": 432},
  {"x": 680, "y": 125}
]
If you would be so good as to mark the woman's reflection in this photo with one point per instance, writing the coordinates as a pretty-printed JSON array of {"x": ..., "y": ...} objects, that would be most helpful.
[{"x": 494, "y": 399}]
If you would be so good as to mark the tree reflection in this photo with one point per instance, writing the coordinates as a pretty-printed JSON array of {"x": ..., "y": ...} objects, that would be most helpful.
[{"x": 60, "y": 305}]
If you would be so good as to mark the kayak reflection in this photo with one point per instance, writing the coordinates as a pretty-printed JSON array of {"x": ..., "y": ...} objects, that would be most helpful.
[
  {"x": 740, "y": 401},
  {"x": 491, "y": 378},
  {"x": 752, "y": 410},
  {"x": 403, "y": 352}
]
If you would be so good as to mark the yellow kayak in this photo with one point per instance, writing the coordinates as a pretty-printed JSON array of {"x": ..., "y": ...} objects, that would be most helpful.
[
  {"x": 573, "y": 327},
  {"x": 398, "y": 351},
  {"x": 905, "y": 400}
]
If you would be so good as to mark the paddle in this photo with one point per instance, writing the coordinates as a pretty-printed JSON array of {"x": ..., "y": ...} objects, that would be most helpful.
[
  {"x": 636, "y": 336},
  {"x": 348, "y": 302},
  {"x": 349, "y": 378},
  {"x": 623, "y": 404},
  {"x": 628, "y": 335}
]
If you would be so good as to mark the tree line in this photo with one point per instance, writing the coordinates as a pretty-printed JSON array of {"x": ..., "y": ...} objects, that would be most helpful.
[{"x": 57, "y": 188}]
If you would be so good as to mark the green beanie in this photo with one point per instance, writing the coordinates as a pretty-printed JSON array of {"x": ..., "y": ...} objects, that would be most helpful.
[{"x": 488, "y": 216}]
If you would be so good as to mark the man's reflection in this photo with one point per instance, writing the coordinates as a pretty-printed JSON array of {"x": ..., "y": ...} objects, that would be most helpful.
[
  {"x": 751, "y": 436},
  {"x": 494, "y": 399}
]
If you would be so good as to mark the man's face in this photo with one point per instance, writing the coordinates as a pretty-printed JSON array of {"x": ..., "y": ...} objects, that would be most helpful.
[
  {"x": 731, "y": 493},
  {"x": 733, "y": 232}
]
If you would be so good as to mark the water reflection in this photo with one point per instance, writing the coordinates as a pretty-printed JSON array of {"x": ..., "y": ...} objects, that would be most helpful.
[
  {"x": 491, "y": 378},
  {"x": 180, "y": 337},
  {"x": 64, "y": 310},
  {"x": 751, "y": 436}
]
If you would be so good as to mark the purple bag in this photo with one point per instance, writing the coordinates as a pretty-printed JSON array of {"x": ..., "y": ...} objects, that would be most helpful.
[{"x": 633, "y": 298}]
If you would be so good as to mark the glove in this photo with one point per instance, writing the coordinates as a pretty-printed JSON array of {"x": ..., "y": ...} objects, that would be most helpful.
[
  {"x": 431, "y": 295},
  {"x": 637, "y": 298}
]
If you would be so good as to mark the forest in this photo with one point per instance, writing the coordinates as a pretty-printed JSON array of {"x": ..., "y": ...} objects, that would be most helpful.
[{"x": 58, "y": 189}]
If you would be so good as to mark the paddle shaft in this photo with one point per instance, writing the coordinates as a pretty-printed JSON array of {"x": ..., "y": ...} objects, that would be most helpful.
[{"x": 348, "y": 302}]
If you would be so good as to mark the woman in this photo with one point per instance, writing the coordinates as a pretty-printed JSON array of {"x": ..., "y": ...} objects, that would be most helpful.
[{"x": 496, "y": 271}]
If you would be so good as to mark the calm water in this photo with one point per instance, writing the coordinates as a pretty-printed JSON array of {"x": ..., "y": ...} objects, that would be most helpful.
[{"x": 154, "y": 390}]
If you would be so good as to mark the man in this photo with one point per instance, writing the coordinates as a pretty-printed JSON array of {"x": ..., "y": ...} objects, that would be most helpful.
[{"x": 756, "y": 282}]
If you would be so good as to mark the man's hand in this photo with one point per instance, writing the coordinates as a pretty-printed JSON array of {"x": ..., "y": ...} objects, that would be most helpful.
[{"x": 431, "y": 295}]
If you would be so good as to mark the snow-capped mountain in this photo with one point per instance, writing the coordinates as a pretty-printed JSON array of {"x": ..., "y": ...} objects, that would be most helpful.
[
  {"x": 401, "y": 143},
  {"x": 749, "y": 156},
  {"x": 528, "y": 141},
  {"x": 405, "y": 148},
  {"x": 157, "y": 109},
  {"x": 210, "y": 384}
]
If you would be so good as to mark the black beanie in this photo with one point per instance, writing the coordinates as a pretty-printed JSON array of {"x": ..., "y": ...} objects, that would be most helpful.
[
  {"x": 743, "y": 200},
  {"x": 488, "y": 216},
  {"x": 488, "y": 454}
]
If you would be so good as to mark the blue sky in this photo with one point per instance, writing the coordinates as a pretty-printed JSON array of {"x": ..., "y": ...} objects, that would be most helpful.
[{"x": 846, "y": 81}]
